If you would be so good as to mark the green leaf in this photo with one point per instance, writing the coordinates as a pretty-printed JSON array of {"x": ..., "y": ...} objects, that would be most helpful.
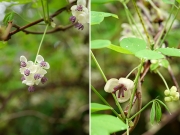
[
  {"x": 158, "y": 112},
  {"x": 98, "y": 17},
  {"x": 152, "y": 113},
  {"x": 108, "y": 123},
  {"x": 118, "y": 49},
  {"x": 102, "y": 1},
  {"x": 133, "y": 44},
  {"x": 149, "y": 54},
  {"x": 8, "y": 17},
  {"x": 164, "y": 63},
  {"x": 154, "y": 66},
  {"x": 163, "y": 105},
  {"x": 97, "y": 44},
  {"x": 168, "y": 1},
  {"x": 170, "y": 51},
  {"x": 98, "y": 107},
  {"x": 178, "y": 1}
]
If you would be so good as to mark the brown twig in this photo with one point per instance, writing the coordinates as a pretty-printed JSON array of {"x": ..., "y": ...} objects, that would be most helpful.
[
  {"x": 38, "y": 21},
  {"x": 57, "y": 29},
  {"x": 168, "y": 118}
]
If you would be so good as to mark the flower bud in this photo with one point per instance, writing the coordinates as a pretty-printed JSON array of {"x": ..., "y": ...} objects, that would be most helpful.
[
  {"x": 173, "y": 89},
  {"x": 166, "y": 92},
  {"x": 167, "y": 99}
]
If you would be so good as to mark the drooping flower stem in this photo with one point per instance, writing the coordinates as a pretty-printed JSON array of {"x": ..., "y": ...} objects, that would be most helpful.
[
  {"x": 41, "y": 42},
  {"x": 132, "y": 71},
  {"x": 97, "y": 64},
  {"x": 99, "y": 95},
  {"x": 103, "y": 75},
  {"x": 163, "y": 79},
  {"x": 131, "y": 20},
  {"x": 169, "y": 27},
  {"x": 142, "y": 22},
  {"x": 160, "y": 36},
  {"x": 135, "y": 87}
]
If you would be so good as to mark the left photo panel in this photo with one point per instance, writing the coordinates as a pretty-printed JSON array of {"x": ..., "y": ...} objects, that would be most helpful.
[{"x": 44, "y": 67}]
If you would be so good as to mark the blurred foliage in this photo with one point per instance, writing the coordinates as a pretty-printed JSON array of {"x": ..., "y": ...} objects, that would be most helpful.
[
  {"x": 61, "y": 105},
  {"x": 116, "y": 65}
]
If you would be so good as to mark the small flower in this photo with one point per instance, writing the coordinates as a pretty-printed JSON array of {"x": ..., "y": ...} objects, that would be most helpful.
[
  {"x": 122, "y": 88},
  {"x": 33, "y": 73},
  {"x": 171, "y": 95},
  {"x": 80, "y": 14},
  {"x": 42, "y": 63}
]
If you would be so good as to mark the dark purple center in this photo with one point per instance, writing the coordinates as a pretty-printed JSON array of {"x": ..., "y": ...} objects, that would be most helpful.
[
  {"x": 79, "y": 8},
  {"x": 31, "y": 88},
  {"x": 79, "y": 26},
  {"x": 43, "y": 80},
  {"x": 72, "y": 19},
  {"x": 27, "y": 72},
  {"x": 37, "y": 76},
  {"x": 43, "y": 64},
  {"x": 120, "y": 88},
  {"x": 23, "y": 64},
  {"x": 23, "y": 78}
]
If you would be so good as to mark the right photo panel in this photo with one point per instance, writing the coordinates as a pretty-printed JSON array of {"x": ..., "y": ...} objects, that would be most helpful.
[{"x": 135, "y": 70}]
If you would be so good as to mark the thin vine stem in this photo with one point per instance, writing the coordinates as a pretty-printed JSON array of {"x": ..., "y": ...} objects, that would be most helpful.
[
  {"x": 142, "y": 22},
  {"x": 44, "y": 15},
  {"x": 41, "y": 42},
  {"x": 163, "y": 79},
  {"x": 132, "y": 71},
  {"x": 169, "y": 28},
  {"x": 48, "y": 18},
  {"x": 97, "y": 64},
  {"x": 131, "y": 20},
  {"x": 119, "y": 107},
  {"x": 99, "y": 95},
  {"x": 103, "y": 75},
  {"x": 135, "y": 87},
  {"x": 160, "y": 36},
  {"x": 141, "y": 110}
]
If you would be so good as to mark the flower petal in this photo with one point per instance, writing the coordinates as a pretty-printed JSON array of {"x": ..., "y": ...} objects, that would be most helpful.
[
  {"x": 23, "y": 58},
  {"x": 39, "y": 58},
  {"x": 127, "y": 95},
  {"x": 129, "y": 84},
  {"x": 110, "y": 84},
  {"x": 81, "y": 2},
  {"x": 47, "y": 66}
]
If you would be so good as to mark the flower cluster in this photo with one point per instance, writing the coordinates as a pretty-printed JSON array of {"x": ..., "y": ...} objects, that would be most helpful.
[
  {"x": 122, "y": 88},
  {"x": 80, "y": 14},
  {"x": 33, "y": 73},
  {"x": 171, "y": 95}
]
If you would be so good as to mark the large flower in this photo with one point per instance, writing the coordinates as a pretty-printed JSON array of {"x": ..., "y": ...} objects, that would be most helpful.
[{"x": 122, "y": 88}]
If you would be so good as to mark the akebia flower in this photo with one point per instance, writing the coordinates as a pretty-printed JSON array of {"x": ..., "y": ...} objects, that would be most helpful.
[
  {"x": 80, "y": 14},
  {"x": 122, "y": 88},
  {"x": 171, "y": 95},
  {"x": 33, "y": 73}
]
